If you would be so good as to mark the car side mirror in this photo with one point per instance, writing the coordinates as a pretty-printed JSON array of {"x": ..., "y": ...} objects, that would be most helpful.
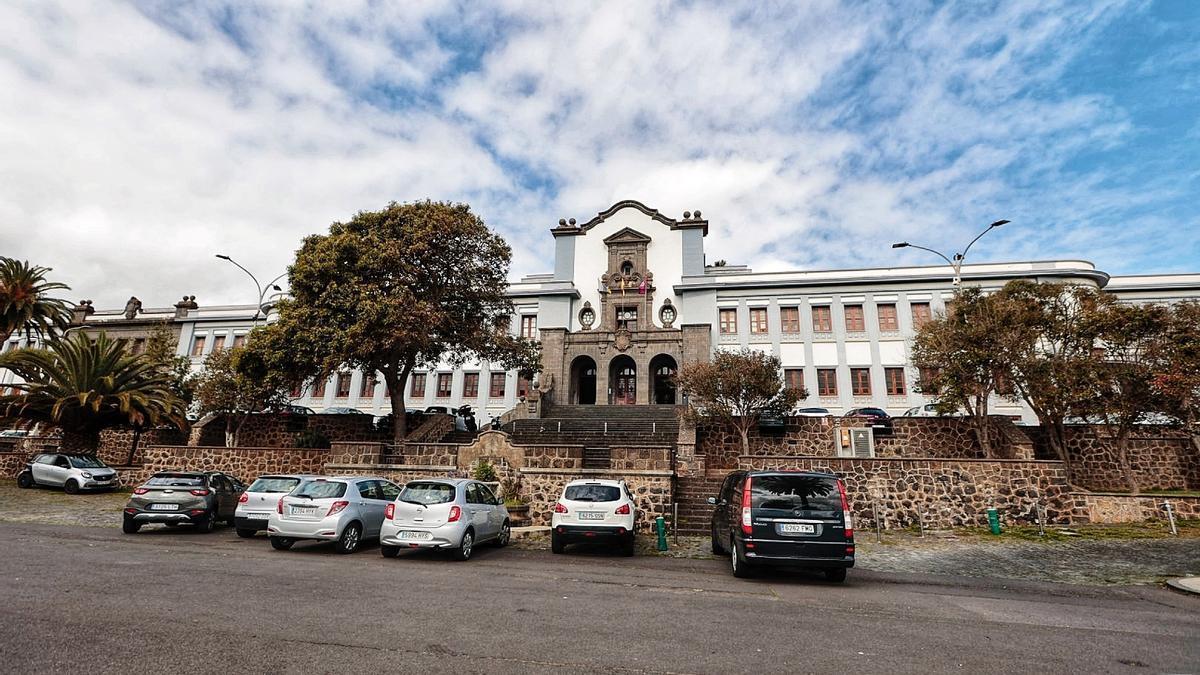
[{"x": 712, "y": 500}]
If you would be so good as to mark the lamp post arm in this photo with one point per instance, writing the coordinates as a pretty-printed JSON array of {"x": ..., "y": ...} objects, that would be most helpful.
[
  {"x": 979, "y": 236},
  {"x": 252, "y": 278},
  {"x": 937, "y": 253}
]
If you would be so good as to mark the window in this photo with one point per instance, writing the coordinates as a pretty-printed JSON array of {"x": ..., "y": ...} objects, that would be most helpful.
[
  {"x": 887, "y": 317},
  {"x": 789, "y": 317},
  {"x": 592, "y": 493},
  {"x": 920, "y": 314},
  {"x": 444, "y": 382},
  {"x": 895, "y": 381},
  {"x": 198, "y": 345},
  {"x": 529, "y": 326},
  {"x": 239, "y": 341},
  {"x": 627, "y": 317},
  {"x": 860, "y": 381},
  {"x": 319, "y": 388},
  {"x": 522, "y": 386},
  {"x": 428, "y": 493},
  {"x": 470, "y": 385},
  {"x": 758, "y": 320},
  {"x": 827, "y": 381},
  {"x": 368, "y": 387},
  {"x": 418, "y": 385},
  {"x": 497, "y": 388},
  {"x": 854, "y": 319},
  {"x": 793, "y": 378},
  {"x": 926, "y": 376},
  {"x": 822, "y": 319},
  {"x": 343, "y": 385},
  {"x": 218, "y": 343},
  {"x": 728, "y": 319}
]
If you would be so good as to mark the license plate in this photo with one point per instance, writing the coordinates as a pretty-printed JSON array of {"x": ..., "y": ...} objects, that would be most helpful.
[
  {"x": 164, "y": 507},
  {"x": 590, "y": 515},
  {"x": 415, "y": 534},
  {"x": 797, "y": 528},
  {"x": 303, "y": 510}
]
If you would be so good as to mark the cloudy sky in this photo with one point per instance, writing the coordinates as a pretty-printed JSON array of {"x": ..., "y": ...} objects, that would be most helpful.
[{"x": 138, "y": 139}]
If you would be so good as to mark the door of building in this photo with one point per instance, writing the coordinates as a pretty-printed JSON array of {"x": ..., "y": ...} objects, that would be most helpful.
[{"x": 625, "y": 386}]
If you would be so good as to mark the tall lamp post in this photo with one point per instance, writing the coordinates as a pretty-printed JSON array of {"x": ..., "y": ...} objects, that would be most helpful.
[
  {"x": 957, "y": 262},
  {"x": 262, "y": 291}
]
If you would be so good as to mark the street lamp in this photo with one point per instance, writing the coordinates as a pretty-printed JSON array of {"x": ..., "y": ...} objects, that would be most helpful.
[
  {"x": 957, "y": 262},
  {"x": 262, "y": 292}
]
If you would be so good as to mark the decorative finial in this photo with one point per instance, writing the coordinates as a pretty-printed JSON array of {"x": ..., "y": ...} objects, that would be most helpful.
[
  {"x": 687, "y": 215},
  {"x": 572, "y": 222},
  {"x": 697, "y": 215},
  {"x": 562, "y": 222}
]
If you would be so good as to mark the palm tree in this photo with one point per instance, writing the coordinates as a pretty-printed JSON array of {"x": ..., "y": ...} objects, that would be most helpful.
[
  {"x": 83, "y": 387},
  {"x": 24, "y": 299}
]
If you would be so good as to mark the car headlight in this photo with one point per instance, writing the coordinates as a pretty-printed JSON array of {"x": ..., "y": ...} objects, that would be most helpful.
[{"x": 87, "y": 474}]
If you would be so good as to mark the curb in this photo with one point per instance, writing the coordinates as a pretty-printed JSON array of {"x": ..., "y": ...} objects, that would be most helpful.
[{"x": 1189, "y": 585}]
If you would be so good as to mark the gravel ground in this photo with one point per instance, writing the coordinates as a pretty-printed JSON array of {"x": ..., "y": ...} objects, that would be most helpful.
[{"x": 1095, "y": 555}]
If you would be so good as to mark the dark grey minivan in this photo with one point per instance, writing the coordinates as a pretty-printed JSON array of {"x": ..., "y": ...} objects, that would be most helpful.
[{"x": 783, "y": 519}]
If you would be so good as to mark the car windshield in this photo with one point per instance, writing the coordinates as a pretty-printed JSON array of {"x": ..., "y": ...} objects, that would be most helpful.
[
  {"x": 85, "y": 462},
  {"x": 592, "y": 493},
  {"x": 795, "y": 494},
  {"x": 321, "y": 489},
  {"x": 427, "y": 493},
  {"x": 273, "y": 484},
  {"x": 175, "y": 480}
]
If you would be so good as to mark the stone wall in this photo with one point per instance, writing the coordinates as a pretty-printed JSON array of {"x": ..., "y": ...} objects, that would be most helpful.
[
  {"x": 651, "y": 491},
  {"x": 1118, "y": 508},
  {"x": 274, "y": 430},
  {"x": 244, "y": 463},
  {"x": 356, "y": 453},
  {"x": 11, "y": 462},
  {"x": 115, "y": 443},
  {"x": 397, "y": 473},
  {"x": 640, "y": 458},
  {"x": 946, "y": 493},
  {"x": 1161, "y": 458}
]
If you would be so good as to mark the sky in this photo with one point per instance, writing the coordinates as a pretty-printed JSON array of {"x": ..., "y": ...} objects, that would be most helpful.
[{"x": 139, "y": 139}]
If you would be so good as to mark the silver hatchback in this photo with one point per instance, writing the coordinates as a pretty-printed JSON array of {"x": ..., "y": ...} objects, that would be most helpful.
[
  {"x": 70, "y": 472},
  {"x": 453, "y": 514},
  {"x": 342, "y": 509}
]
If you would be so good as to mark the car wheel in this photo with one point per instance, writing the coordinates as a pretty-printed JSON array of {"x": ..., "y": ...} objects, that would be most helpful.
[
  {"x": 206, "y": 524},
  {"x": 627, "y": 546},
  {"x": 71, "y": 487},
  {"x": 25, "y": 480},
  {"x": 738, "y": 564},
  {"x": 717, "y": 548},
  {"x": 556, "y": 544},
  {"x": 505, "y": 535},
  {"x": 463, "y": 552},
  {"x": 282, "y": 543},
  {"x": 245, "y": 533},
  {"x": 130, "y": 527},
  {"x": 389, "y": 551},
  {"x": 836, "y": 574},
  {"x": 350, "y": 539},
  {"x": 171, "y": 525}
]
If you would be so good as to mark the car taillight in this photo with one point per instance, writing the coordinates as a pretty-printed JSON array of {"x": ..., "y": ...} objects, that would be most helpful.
[
  {"x": 849, "y": 528},
  {"x": 244, "y": 498},
  {"x": 279, "y": 506},
  {"x": 747, "y": 523},
  {"x": 455, "y": 514},
  {"x": 623, "y": 510},
  {"x": 337, "y": 507},
  {"x": 140, "y": 491},
  {"x": 559, "y": 508},
  {"x": 390, "y": 511},
  {"x": 200, "y": 493}
]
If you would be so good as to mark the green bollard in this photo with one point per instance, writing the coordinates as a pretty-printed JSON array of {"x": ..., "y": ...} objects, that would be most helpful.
[
  {"x": 660, "y": 526},
  {"x": 994, "y": 520}
]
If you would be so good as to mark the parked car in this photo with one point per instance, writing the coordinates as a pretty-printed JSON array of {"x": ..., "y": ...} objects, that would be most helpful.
[
  {"x": 345, "y": 510},
  {"x": 199, "y": 498},
  {"x": 293, "y": 410},
  {"x": 928, "y": 410},
  {"x": 591, "y": 510},
  {"x": 258, "y": 501},
  {"x": 14, "y": 433},
  {"x": 340, "y": 410},
  {"x": 783, "y": 518},
  {"x": 70, "y": 472},
  {"x": 454, "y": 514},
  {"x": 877, "y": 418},
  {"x": 813, "y": 412}
]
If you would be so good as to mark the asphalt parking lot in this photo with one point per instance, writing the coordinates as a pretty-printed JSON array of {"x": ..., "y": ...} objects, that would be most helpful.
[{"x": 81, "y": 597}]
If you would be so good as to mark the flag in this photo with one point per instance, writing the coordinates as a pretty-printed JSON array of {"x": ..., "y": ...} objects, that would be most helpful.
[
  {"x": 622, "y": 287},
  {"x": 642, "y": 287}
]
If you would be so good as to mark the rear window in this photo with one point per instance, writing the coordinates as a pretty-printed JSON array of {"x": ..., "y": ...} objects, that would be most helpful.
[
  {"x": 321, "y": 489},
  {"x": 86, "y": 462},
  {"x": 427, "y": 493},
  {"x": 592, "y": 493},
  {"x": 175, "y": 480},
  {"x": 795, "y": 494},
  {"x": 273, "y": 484}
]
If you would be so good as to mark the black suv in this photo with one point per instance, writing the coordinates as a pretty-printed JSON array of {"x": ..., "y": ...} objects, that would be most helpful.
[
  {"x": 783, "y": 519},
  {"x": 876, "y": 418}
]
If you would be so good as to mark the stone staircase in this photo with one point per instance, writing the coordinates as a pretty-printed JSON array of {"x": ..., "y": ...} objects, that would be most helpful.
[
  {"x": 692, "y": 493},
  {"x": 599, "y": 426}
]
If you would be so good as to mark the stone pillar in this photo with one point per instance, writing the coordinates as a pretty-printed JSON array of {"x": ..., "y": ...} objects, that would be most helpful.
[{"x": 555, "y": 362}]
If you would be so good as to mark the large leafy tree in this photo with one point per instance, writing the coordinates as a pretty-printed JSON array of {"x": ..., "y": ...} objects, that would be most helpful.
[
  {"x": 84, "y": 386},
  {"x": 736, "y": 388},
  {"x": 221, "y": 389},
  {"x": 162, "y": 352},
  {"x": 412, "y": 285},
  {"x": 966, "y": 356},
  {"x": 1177, "y": 363},
  {"x": 25, "y": 300}
]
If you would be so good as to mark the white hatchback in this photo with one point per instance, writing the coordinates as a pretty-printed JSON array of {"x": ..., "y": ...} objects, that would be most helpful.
[
  {"x": 343, "y": 509},
  {"x": 594, "y": 510}
]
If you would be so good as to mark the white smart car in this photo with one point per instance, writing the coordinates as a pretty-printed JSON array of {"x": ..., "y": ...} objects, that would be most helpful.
[{"x": 594, "y": 510}]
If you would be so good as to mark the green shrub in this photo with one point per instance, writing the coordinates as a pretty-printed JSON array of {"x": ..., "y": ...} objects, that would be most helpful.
[{"x": 484, "y": 472}]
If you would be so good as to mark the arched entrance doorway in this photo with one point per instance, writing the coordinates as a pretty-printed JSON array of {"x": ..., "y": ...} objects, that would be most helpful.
[
  {"x": 583, "y": 380},
  {"x": 622, "y": 378},
  {"x": 662, "y": 383}
]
